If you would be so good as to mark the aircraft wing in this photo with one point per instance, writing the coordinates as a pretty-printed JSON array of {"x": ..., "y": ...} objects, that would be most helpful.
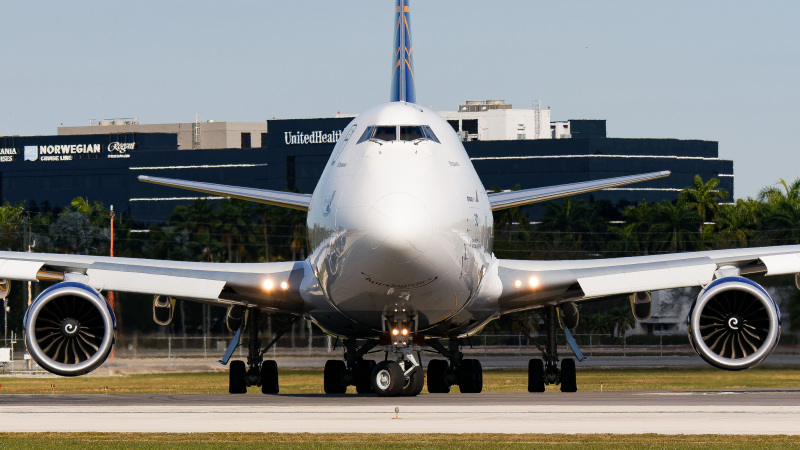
[
  {"x": 291, "y": 200},
  {"x": 268, "y": 285},
  {"x": 528, "y": 284},
  {"x": 503, "y": 200}
]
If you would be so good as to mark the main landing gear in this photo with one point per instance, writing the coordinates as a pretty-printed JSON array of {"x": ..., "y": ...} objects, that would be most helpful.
[
  {"x": 466, "y": 373},
  {"x": 545, "y": 371},
  {"x": 257, "y": 372},
  {"x": 353, "y": 371}
]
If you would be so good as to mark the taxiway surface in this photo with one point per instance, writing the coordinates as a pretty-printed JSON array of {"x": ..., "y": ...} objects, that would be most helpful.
[{"x": 665, "y": 412}]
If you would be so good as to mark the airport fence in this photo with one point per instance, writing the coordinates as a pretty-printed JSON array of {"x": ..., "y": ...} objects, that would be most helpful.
[{"x": 320, "y": 345}]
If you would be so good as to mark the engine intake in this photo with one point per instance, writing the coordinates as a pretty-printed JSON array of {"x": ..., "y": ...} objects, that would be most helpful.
[
  {"x": 734, "y": 324},
  {"x": 69, "y": 329}
]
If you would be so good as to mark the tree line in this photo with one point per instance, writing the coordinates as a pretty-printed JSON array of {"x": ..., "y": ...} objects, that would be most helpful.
[{"x": 237, "y": 231}]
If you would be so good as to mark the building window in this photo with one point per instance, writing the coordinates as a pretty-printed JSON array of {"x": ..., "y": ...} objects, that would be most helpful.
[
  {"x": 263, "y": 140},
  {"x": 454, "y": 124},
  {"x": 470, "y": 126},
  {"x": 520, "y": 136},
  {"x": 246, "y": 140}
]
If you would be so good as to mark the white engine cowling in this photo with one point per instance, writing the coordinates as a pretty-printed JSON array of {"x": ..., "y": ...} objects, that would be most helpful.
[
  {"x": 734, "y": 324},
  {"x": 69, "y": 329}
]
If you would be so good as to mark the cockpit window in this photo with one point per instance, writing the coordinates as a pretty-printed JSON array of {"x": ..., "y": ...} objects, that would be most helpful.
[
  {"x": 385, "y": 133},
  {"x": 404, "y": 132},
  {"x": 429, "y": 134},
  {"x": 367, "y": 135},
  {"x": 411, "y": 133}
]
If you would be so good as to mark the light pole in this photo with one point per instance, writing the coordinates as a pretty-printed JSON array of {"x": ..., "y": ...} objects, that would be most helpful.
[{"x": 111, "y": 293}]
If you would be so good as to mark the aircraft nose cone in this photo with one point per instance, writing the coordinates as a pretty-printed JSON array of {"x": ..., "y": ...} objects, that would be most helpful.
[{"x": 400, "y": 225}]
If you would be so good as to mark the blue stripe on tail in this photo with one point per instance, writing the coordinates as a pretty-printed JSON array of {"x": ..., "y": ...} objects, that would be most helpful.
[{"x": 403, "y": 70}]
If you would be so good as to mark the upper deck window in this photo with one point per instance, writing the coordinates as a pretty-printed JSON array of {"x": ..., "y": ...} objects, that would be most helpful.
[{"x": 408, "y": 133}]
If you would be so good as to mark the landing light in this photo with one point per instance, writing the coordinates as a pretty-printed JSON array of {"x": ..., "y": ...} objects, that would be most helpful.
[
  {"x": 395, "y": 332},
  {"x": 518, "y": 283},
  {"x": 533, "y": 282},
  {"x": 268, "y": 285},
  {"x": 284, "y": 285},
  {"x": 405, "y": 332}
]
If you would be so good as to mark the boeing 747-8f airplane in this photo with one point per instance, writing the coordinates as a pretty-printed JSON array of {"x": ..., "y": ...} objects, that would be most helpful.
[{"x": 400, "y": 235}]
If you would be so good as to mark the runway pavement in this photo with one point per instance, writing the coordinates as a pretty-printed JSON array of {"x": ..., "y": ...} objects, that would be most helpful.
[{"x": 665, "y": 412}]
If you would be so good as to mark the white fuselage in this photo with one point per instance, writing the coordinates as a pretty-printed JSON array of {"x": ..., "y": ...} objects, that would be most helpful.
[{"x": 398, "y": 224}]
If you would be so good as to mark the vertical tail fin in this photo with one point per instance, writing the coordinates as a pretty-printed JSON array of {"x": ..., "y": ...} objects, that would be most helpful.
[{"x": 403, "y": 76}]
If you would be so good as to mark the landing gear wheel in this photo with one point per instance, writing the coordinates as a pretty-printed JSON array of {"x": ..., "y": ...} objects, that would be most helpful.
[
  {"x": 437, "y": 377},
  {"x": 269, "y": 377},
  {"x": 238, "y": 375},
  {"x": 388, "y": 379},
  {"x": 568, "y": 382},
  {"x": 334, "y": 377},
  {"x": 414, "y": 383},
  {"x": 364, "y": 368},
  {"x": 536, "y": 375},
  {"x": 470, "y": 376}
]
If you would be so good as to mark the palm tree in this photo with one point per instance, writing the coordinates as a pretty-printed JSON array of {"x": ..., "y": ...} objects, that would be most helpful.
[
  {"x": 737, "y": 223},
  {"x": 640, "y": 218},
  {"x": 705, "y": 198},
  {"x": 621, "y": 318},
  {"x": 782, "y": 211},
  {"x": 674, "y": 226}
]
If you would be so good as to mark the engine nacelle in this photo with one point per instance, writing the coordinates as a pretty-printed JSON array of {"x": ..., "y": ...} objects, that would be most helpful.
[
  {"x": 163, "y": 310},
  {"x": 641, "y": 305},
  {"x": 69, "y": 329},
  {"x": 734, "y": 324},
  {"x": 235, "y": 317},
  {"x": 4, "y": 289},
  {"x": 569, "y": 315}
]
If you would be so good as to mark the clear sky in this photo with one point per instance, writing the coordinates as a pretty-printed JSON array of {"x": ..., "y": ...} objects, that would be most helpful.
[{"x": 726, "y": 71}]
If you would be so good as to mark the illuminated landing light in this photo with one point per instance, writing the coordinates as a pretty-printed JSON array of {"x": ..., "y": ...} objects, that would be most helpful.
[
  {"x": 395, "y": 332},
  {"x": 518, "y": 284},
  {"x": 284, "y": 285},
  {"x": 405, "y": 332},
  {"x": 533, "y": 282},
  {"x": 268, "y": 285}
]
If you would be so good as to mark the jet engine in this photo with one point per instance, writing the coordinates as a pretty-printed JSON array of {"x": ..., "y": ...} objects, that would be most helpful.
[
  {"x": 69, "y": 329},
  {"x": 641, "y": 305},
  {"x": 569, "y": 315},
  {"x": 235, "y": 317},
  {"x": 163, "y": 310},
  {"x": 734, "y": 324}
]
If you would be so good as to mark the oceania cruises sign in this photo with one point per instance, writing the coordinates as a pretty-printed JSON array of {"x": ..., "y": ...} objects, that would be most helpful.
[{"x": 314, "y": 137}]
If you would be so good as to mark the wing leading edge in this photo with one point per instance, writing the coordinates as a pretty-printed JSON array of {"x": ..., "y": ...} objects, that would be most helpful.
[
  {"x": 277, "y": 198},
  {"x": 503, "y": 200},
  {"x": 528, "y": 284},
  {"x": 273, "y": 286}
]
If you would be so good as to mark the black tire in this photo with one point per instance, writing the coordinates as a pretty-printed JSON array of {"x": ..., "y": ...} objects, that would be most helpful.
[
  {"x": 334, "y": 377},
  {"x": 536, "y": 375},
  {"x": 568, "y": 381},
  {"x": 437, "y": 377},
  {"x": 414, "y": 384},
  {"x": 269, "y": 377},
  {"x": 470, "y": 376},
  {"x": 364, "y": 368},
  {"x": 388, "y": 379},
  {"x": 238, "y": 375}
]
